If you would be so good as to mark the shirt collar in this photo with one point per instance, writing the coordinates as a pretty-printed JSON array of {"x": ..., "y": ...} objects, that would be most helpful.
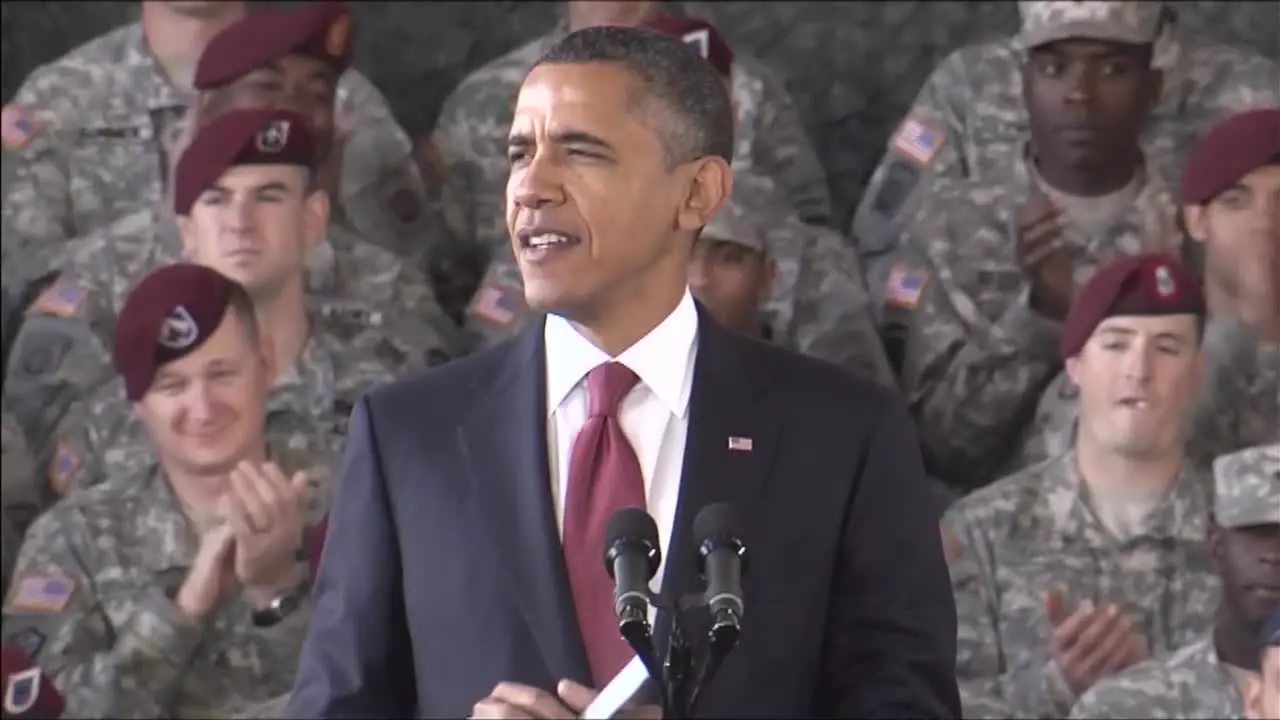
[{"x": 663, "y": 359}]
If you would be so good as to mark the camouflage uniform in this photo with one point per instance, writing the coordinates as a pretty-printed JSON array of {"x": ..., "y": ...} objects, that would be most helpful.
[
  {"x": 92, "y": 602},
  {"x": 312, "y": 399},
  {"x": 62, "y": 351},
  {"x": 22, "y": 495},
  {"x": 1033, "y": 532},
  {"x": 104, "y": 121},
  {"x": 818, "y": 305},
  {"x": 977, "y": 357},
  {"x": 975, "y": 123},
  {"x": 1238, "y": 404},
  {"x": 471, "y": 137},
  {"x": 1194, "y": 682}
]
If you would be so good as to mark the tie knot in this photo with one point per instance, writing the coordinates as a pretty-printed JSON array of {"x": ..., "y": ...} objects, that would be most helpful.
[{"x": 606, "y": 386}]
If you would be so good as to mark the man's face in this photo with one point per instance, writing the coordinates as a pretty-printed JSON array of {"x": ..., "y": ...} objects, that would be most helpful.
[
  {"x": 256, "y": 225},
  {"x": 732, "y": 281},
  {"x": 1240, "y": 231},
  {"x": 300, "y": 83},
  {"x": 593, "y": 13},
  {"x": 1087, "y": 100},
  {"x": 1248, "y": 561},
  {"x": 205, "y": 412},
  {"x": 592, "y": 208},
  {"x": 1137, "y": 378}
]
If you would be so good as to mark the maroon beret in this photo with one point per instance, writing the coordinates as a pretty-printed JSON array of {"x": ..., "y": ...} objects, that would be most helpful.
[
  {"x": 240, "y": 137},
  {"x": 1151, "y": 284},
  {"x": 698, "y": 34},
  {"x": 169, "y": 314},
  {"x": 319, "y": 29},
  {"x": 1230, "y": 150}
]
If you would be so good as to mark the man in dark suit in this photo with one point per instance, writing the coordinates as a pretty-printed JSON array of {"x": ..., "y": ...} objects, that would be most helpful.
[{"x": 446, "y": 588}]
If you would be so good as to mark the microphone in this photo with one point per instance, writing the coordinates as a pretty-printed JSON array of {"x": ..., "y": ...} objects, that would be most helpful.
[
  {"x": 721, "y": 561},
  {"x": 27, "y": 692},
  {"x": 632, "y": 557}
]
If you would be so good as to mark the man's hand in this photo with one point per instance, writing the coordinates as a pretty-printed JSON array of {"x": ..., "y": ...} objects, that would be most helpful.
[
  {"x": 1092, "y": 642},
  {"x": 266, "y": 513},
  {"x": 211, "y": 576},
  {"x": 510, "y": 700},
  {"x": 1044, "y": 257}
]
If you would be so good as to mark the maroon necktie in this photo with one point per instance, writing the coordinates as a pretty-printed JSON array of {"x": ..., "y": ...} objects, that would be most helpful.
[{"x": 604, "y": 477}]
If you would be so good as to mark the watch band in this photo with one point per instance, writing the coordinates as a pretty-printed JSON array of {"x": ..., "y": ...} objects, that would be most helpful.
[{"x": 281, "y": 607}]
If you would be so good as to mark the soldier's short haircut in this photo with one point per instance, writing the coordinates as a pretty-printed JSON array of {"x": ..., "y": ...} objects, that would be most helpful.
[{"x": 693, "y": 108}]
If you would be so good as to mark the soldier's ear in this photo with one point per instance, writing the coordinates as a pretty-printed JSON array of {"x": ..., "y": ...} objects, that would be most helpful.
[
  {"x": 316, "y": 216},
  {"x": 186, "y": 228},
  {"x": 1196, "y": 220}
]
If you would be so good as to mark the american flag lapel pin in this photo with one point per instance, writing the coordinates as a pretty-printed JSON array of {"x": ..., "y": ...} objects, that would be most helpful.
[{"x": 742, "y": 444}]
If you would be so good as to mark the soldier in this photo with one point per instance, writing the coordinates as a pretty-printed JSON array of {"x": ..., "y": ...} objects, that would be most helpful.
[
  {"x": 1094, "y": 560},
  {"x": 1262, "y": 693},
  {"x": 968, "y": 121},
  {"x": 470, "y": 136},
  {"x": 180, "y": 591},
  {"x": 1231, "y": 208},
  {"x": 250, "y": 209},
  {"x": 991, "y": 267},
  {"x": 1206, "y": 679},
  {"x": 95, "y": 130}
]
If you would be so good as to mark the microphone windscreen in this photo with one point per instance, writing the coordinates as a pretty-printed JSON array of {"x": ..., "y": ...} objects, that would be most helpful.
[
  {"x": 718, "y": 520},
  {"x": 628, "y": 523},
  {"x": 27, "y": 692}
]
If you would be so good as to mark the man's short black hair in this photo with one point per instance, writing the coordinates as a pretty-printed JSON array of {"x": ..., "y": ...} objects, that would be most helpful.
[{"x": 690, "y": 95}]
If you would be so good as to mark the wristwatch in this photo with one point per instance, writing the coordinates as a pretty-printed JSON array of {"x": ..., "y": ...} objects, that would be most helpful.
[{"x": 279, "y": 608}]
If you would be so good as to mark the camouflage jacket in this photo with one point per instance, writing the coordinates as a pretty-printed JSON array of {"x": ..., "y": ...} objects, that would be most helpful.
[
  {"x": 104, "y": 121},
  {"x": 1187, "y": 684},
  {"x": 1033, "y": 533},
  {"x": 977, "y": 358},
  {"x": 92, "y": 603}
]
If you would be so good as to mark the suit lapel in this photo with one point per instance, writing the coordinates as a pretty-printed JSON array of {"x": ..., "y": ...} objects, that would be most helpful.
[
  {"x": 504, "y": 441},
  {"x": 729, "y": 450}
]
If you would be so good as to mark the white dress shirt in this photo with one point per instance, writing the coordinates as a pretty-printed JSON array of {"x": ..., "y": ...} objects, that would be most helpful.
[{"x": 654, "y": 415}]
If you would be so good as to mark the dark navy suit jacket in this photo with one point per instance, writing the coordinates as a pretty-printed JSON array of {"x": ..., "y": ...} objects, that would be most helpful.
[{"x": 443, "y": 572}]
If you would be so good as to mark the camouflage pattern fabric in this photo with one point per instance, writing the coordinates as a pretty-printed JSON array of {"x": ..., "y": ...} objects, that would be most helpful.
[
  {"x": 1033, "y": 532},
  {"x": 1194, "y": 682},
  {"x": 977, "y": 357},
  {"x": 91, "y": 602}
]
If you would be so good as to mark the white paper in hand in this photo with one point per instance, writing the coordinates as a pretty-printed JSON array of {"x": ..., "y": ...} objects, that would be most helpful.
[{"x": 619, "y": 691}]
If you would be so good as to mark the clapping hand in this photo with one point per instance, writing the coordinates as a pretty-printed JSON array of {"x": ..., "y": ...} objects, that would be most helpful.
[{"x": 265, "y": 511}]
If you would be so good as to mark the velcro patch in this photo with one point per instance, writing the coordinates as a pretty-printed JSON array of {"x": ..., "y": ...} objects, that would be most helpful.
[
  {"x": 917, "y": 141},
  {"x": 63, "y": 466},
  {"x": 35, "y": 593},
  {"x": 61, "y": 299},
  {"x": 497, "y": 304},
  {"x": 905, "y": 286},
  {"x": 16, "y": 127}
]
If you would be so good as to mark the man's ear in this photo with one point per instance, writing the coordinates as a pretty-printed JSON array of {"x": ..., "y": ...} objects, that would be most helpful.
[
  {"x": 187, "y": 229},
  {"x": 709, "y": 185},
  {"x": 317, "y": 209}
]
